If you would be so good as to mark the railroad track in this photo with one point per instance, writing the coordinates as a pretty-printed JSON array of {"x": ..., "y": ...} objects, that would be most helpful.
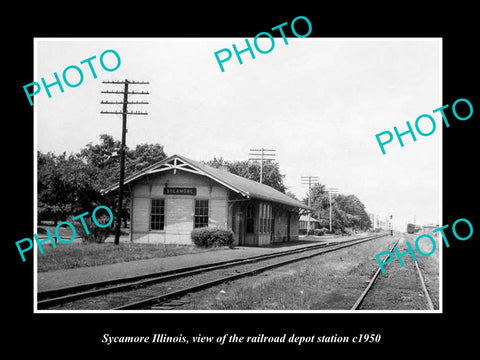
[
  {"x": 358, "y": 304},
  {"x": 172, "y": 299},
  {"x": 56, "y": 297}
]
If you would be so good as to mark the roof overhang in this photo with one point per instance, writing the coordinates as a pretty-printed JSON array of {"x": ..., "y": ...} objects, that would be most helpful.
[
  {"x": 178, "y": 163},
  {"x": 175, "y": 163}
]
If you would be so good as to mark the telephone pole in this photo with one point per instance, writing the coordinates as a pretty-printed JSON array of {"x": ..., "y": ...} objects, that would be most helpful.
[
  {"x": 330, "y": 191},
  {"x": 309, "y": 180},
  {"x": 262, "y": 155},
  {"x": 391, "y": 224},
  {"x": 124, "y": 114}
]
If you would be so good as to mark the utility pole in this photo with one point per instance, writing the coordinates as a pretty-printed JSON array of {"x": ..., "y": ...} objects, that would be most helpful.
[
  {"x": 124, "y": 114},
  {"x": 309, "y": 180},
  {"x": 264, "y": 155},
  {"x": 330, "y": 191},
  {"x": 392, "y": 212},
  {"x": 391, "y": 224}
]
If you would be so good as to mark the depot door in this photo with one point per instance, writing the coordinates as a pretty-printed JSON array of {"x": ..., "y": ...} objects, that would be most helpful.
[
  {"x": 289, "y": 218},
  {"x": 241, "y": 227}
]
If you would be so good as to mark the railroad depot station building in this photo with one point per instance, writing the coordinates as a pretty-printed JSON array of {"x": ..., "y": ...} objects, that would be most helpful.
[{"x": 172, "y": 197}]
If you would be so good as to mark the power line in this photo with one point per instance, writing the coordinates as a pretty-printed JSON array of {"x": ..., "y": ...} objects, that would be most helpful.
[
  {"x": 309, "y": 180},
  {"x": 121, "y": 102},
  {"x": 123, "y": 82},
  {"x": 262, "y": 155},
  {"x": 124, "y": 114},
  {"x": 125, "y": 92},
  {"x": 330, "y": 191}
]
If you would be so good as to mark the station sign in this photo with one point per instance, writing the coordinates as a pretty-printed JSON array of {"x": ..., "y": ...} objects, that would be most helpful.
[{"x": 179, "y": 191}]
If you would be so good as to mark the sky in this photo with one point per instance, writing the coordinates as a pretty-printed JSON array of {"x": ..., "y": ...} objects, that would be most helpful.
[{"x": 319, "y": 102}]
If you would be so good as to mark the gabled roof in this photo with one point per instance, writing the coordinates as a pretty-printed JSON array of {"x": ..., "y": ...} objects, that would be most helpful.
[
  {"x": 238, "y": 184},
  {"x": 305, "y": 218}
]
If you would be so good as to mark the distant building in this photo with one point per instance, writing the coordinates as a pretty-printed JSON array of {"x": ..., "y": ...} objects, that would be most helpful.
[
  {"x": 176, "y": 195},
  {"x": 377, "y": 223},
  {"x": 303, "y": 224}
]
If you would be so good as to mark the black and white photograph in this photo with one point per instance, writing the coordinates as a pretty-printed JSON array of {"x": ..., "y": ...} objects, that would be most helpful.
[
  {"x": 240, "y": 192},
  {"x": 273, "y": 186}
]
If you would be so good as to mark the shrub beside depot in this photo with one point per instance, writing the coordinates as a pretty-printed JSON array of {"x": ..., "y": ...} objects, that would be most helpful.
[
  {"x": 96, "y": 234},
  {"x": 212, "y": 237}
]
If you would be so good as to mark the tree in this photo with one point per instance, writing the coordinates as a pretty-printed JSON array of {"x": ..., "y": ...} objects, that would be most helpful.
[
  {"x": 70, "y": 185},
  {"x": 143, "y": 156},
  {"x": 347, "y": 210},
  {"x": 358, "y": 218},
  {"x": 64, "y": 186},
  {"x": 319, "y": 200},
  {"x": 318, "y": 197},
  {"x": 104, "y": 158},
  {"x": 272, "y": 176},
  {"x": 251, "y": 170},
  {"x": 217, "y": 163},
  {"x": 291, "y": 194}
]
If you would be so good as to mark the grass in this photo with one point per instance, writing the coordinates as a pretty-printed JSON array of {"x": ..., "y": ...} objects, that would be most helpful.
[
  {"x": 308, "y": 288},
  {"x": 331, "y": 281},
  {"x": 293, "y": 292},
  {"x": 73, "y": 255},
  {"x": 84, "y": 254}
]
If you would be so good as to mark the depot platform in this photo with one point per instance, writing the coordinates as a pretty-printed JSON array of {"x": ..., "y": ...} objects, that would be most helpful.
[{"x": 51, "y": 280}]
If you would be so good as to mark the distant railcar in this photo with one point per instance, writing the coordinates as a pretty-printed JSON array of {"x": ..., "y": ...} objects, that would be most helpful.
[{"x": 411, "y": 228}]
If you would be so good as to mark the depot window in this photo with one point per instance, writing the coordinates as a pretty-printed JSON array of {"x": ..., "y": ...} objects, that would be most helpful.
[
  {"x": 201, "y": 213},
  {"x": 157, "y": 214}
]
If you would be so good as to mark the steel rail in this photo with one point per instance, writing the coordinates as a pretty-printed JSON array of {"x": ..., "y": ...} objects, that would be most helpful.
[
  {"x": 59, "y": 296},
  {"x": 374, "y": 277},
  {"x": 177, "y": 293},
  {"x": 372, "y": 281},
  {"x": 424, "y": 287},
  {"x": 62, "y": 295}
]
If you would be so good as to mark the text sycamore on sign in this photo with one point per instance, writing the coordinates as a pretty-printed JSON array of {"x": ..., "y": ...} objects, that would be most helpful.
[{"x": 179, "y": 191}]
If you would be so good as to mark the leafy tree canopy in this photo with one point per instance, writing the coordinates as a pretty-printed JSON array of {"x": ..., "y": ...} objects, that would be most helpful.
[
  {"x": 251, "y": 170},
  {"x": 347, "y": 210},
  {"x": 70, "y": 184}
]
